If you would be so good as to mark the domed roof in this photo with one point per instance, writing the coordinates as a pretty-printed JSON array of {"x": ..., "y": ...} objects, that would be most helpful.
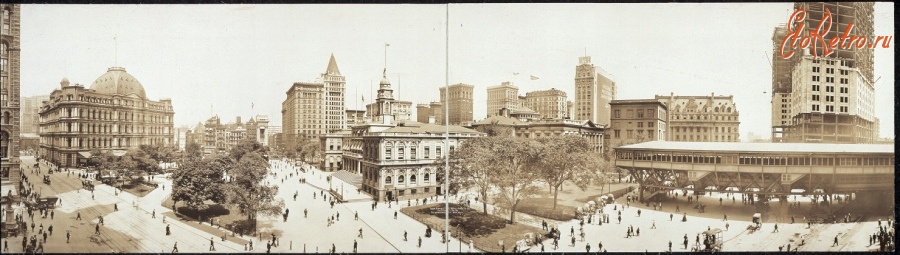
[
  {"x": 117, "y": 82},
  {"x": 384, "y": 80}
]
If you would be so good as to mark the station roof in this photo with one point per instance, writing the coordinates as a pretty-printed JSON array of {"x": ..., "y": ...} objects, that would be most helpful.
[{"x": 764, "y": 147}]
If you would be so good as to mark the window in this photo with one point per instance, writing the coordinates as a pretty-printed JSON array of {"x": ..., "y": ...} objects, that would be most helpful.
[
  {"x": 640, "y": 124},
  {"x": 815, "y": 78},
  {"x": 617, "y": 114},
  {"x": 815, "y": 97},
  {"x": 815, "y": 107},
  {"x": 650, "y": 124},
  {"x": 400, "y": 179},
  {"x": 829, "y": 79},
  {"x": 845, "y": 100},
  {"x": 6, "y": 20},
  {"x": 427, "y": 178},
  {"x": 616, "y": 133},
  {"x": 843, "y": 109},
  {"x": 829, "y": 70},
  {"x": 412, "y": 179},
  {"x": 815, "y": 87},
  {"x": 829, "y": 108},
  {"x": 412, "y": 153},
  {"x": 815, "y": 69},
  {"x": 829, "y": 98},
  {"x": 387, "y": 151},
  {"x": 437, "y": 152},
  {"x": 401, "y": 152},
  {"x": 845, "y": 90},
  {"x": 427, "y": 152},
  {"x": 829, "y": 88},
  {"x": 640, "y": 114}
]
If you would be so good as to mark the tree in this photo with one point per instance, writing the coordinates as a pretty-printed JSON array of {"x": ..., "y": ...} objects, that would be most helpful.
[
  {"x": 566, "y": 158},
  {"x": 466, "y": 168},
  {"x": 193, "y": 151},
  {"x": 496, "y": 129},
  {"x": 247, "y": 169},
  {"x": 309, "y": 149},
  {"x": 512, "y": 165},
  {"x": 197, "y": 182}
]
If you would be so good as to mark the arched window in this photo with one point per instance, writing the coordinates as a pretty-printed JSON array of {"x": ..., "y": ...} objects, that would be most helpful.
[
  {"x": 400, "y": 179},
  {"x": 6, "y": 117},
  {"x": 427, "y": 177},
  {"x": 412, "y": 179},
  {"x": 387, "y": 180}
]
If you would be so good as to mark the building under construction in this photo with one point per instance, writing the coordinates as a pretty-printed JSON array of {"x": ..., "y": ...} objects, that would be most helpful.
[{"x": 832, "y": 101}]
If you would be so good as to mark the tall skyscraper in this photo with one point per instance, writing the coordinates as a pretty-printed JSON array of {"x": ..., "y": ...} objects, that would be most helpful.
[
  {"x": 460, "y": 103},
  {"x": 830, "y": 102},
  {"x": 502, "y": 96},
  {"x": 9, "y": 93},
  {"x": 594, "y": 89},
  {"x": 335, "y": 112},
  {"x": 550, "y": 104},
  {"x": 312, "y": 109},
  {"x": 31, "y": 119}
]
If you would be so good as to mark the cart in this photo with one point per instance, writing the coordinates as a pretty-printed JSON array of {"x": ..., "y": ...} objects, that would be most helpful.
[
  {"x": 756, "y": 222},
  {"x": 47, "y": 179},
  {"x": 712, "y": 240},
  {"x": 47, "y": 202}
]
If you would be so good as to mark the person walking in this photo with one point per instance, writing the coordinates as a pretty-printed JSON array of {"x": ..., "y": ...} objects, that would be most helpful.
[
  {"x": 68, "y": 235},
  {"x": 670, "y": 245},
  {"x": 395, "y": 215},
  {"x": 587, "y": 247},
  {"x": 175, "y": 248},
  {"x": 360, "y": 233},
  {"x": 420, "y": 242},
  {"x": 356, "y": 216},
  {"x": 212, "y": 244},
  {"x": 404, "y": 236},
  {"x": 354, "y": 246},
  {"x": 168, "y": 232},
  {"x": 654, "y": 225},
  {"x": 835, "y": 241},
  {"x": 97, "y": 229}
]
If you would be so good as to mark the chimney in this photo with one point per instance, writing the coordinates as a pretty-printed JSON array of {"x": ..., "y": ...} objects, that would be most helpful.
[
  {"x": 431, "y": 119},
  {"x": 504, "y": 112}
]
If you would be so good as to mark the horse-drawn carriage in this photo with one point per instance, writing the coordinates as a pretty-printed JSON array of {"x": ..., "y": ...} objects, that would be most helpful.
[
  {"x": 712, "y": 241},
  {"x": 47, "y": 179},
  {"x": 757, "y": 223}
]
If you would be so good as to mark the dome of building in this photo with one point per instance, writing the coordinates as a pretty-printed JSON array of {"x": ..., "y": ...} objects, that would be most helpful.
[
  {"x": 117, "y": 82},
  {"x": 384, "y": 80}
]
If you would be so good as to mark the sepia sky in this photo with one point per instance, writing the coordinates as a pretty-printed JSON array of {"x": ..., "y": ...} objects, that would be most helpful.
[{"x": 232, "y": 56}]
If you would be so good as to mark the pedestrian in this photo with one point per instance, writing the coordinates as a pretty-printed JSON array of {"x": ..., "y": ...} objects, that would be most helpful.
[
  {"x": 51, "y": 215},
  {"x": 168, "y": 232},
  {"x": 360, "y": 233},
  {"x": 212, "y": 245},
  {"x": 587, "y": 247},
  {"x": 835, "y": 241},
  {"x": 670, "y": 216},
  {"x": 395, "y": 215},
  {"x": 726, "y": 226},
  {"x": 420, "y": 242},
  {"x": 304, "y": 211},
  {"x": 639, "y": 212},
  {"x": 97, "y": 229},
  {"x": 404, "y": 235},
  {"x": 153, "y": 214},
  {"x": 354, "y": 246},
  {"x": 573, "y": 241},
  {"x": 670, "y": 245},
  {"x": 50, "y": 229},
  {"x": 356, "y": 215},
  {"x": 677, "y": 208},
  {"x": 726, "y": 217},
  {"x": 776, "y": 228},
  {"x": 68, "y": 235},
  {"x": 638, "y": 232}
]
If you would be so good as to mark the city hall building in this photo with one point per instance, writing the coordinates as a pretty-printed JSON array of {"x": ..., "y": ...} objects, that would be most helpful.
[{"x": 113, "y": 114}]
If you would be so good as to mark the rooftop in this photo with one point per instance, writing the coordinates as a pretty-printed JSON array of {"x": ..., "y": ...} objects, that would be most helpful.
[
  {"x": 764, "y": 147},
  {"x": 423, "y": 128}
]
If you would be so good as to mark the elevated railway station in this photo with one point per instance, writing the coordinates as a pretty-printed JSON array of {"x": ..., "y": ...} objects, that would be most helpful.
[{"x": 766, "y": 170}]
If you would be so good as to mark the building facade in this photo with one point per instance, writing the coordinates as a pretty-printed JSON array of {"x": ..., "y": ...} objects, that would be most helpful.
[
  {"x": 831, "y": 102},
  {"x": 636, "y": 121},
  {"x": 702, "y": 118},
  {"x": 423, "y": 112},
  {"x": 459, "y": 103},
  {"x": 594, "y": 89},
  {"x": 550, "y": 104},
  {"x": 113, "y": 114},
  {"x": 333, "y": 151},
  {"x": 506, "y": 125},
  {"x": 302, "y": 113},
  {"x": 861, "y": 15},
  {"x": 505, "y": 95},
  {"x": 386, "y": 109},
  {"x": 9, "y": 93},
  {"x": 31, "y": 118},
  {"x": 356, "y": 117}
]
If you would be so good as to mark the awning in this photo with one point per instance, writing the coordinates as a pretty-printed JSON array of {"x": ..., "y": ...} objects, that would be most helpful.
[
  {"x": 119, "y": 153},
  {"x": 85, "y": 154}
]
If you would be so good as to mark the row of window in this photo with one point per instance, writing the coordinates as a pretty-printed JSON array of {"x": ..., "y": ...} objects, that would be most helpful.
[
  {"x": 412, "y": 179},
  {"x": 755, "y": 160}
]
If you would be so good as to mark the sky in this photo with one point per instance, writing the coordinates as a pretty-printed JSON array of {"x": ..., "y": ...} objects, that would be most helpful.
[{"x": 238, "y": 60}]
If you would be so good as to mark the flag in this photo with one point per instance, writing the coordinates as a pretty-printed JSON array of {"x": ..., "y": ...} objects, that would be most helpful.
[
  {"x": 515, "y": 73},
  {"x": 534, "y": 77}
]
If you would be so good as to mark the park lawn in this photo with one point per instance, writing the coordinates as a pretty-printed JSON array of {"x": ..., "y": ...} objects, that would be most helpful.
[
  {"x": 485, "y": 231},
  {"x": 139, "y": 190},
  {"x": 543, "y": 207},
  {"x": 221, "y": 212}
]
